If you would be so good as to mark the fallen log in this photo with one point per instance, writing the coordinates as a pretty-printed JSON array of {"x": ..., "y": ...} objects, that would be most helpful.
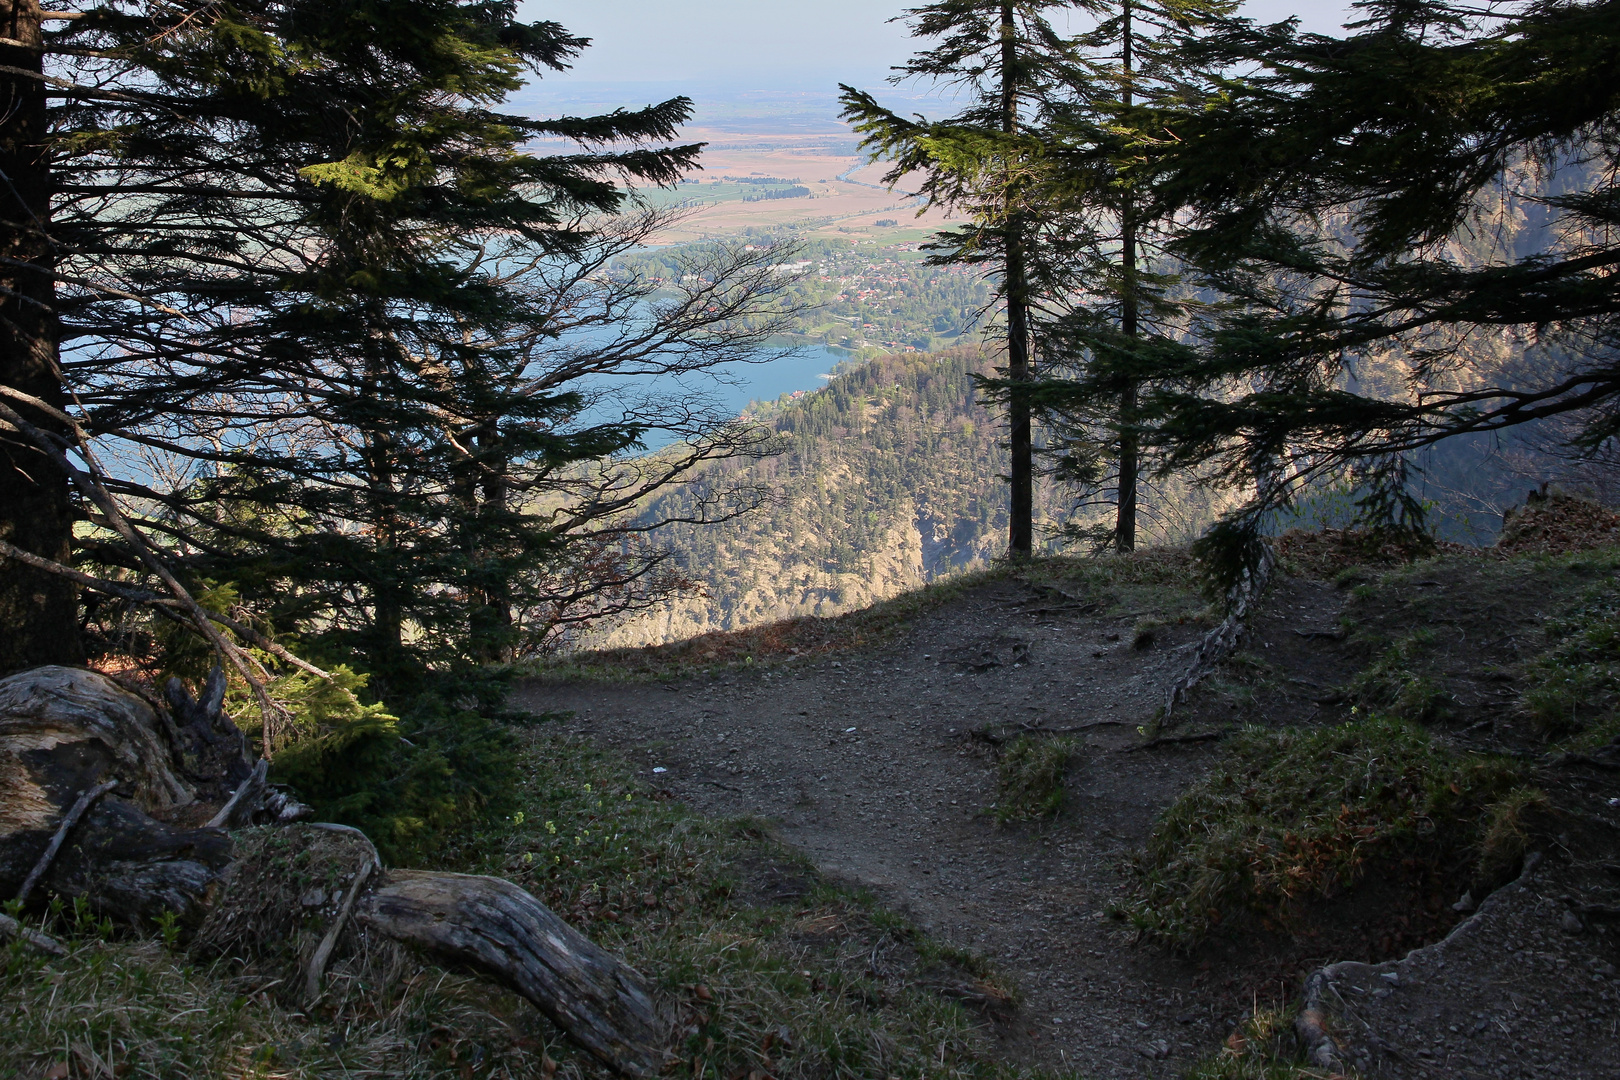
[
  {"x": 499, "y": 929},
  {"x": 67, "y": 733}
]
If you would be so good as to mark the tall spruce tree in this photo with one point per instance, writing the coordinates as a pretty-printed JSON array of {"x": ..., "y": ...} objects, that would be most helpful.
[
  {"x": 287, "y": 242},
  {"x": 1347, "y": 199},
  {"x": 1011, "y": 66},
  {"x": 1109, "y": 281}
]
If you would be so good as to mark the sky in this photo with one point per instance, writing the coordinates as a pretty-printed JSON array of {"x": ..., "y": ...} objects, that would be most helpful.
[{"x": 774, "y": 44}]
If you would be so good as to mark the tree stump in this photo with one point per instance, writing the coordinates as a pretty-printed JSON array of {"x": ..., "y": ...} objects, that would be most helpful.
[{"x": 143, "y": 849}]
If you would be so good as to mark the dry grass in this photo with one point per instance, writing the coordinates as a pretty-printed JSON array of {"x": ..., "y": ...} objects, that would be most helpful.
[
  {"x": 775, "y": 972},
  {"x": 132, "y": 1007},
  {"x": 1262, "y": 1048}
]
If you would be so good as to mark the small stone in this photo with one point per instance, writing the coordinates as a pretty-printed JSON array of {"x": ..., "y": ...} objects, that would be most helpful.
[
  {"x": 1571, "y": 923},
  {"x": 1464, "y": 904},
  {"x": 313, "y": 898}
]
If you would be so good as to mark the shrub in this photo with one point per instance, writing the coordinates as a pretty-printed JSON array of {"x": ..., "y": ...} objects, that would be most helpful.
[
  {"x": 405, "y": 781},
  {"x": 1293, "y": 815}
]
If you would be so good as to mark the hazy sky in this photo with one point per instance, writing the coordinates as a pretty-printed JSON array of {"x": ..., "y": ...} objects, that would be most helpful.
[{"x": 774, "y": 44}]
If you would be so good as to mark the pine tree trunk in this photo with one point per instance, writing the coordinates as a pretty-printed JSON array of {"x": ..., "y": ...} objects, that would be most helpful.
[
  {"x": 1129, "y": 449},
  {"x": 1130, "y": 465},
  {"x": 489, "y": 609},
  {"x": 38, "y": 611},
  {"x": 1021, "y": 500}
]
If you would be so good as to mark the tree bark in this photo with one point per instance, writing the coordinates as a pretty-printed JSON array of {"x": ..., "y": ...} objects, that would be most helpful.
[
  {"x": 39, "y": 611},
  {"x": 1129, "y": 448},
  {"x": 1021, "y": 478},
  {"x": 497, "y": 928}
]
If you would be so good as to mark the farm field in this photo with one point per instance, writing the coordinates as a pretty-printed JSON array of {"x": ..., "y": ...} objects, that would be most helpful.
[{"x": 844, "y": 196}]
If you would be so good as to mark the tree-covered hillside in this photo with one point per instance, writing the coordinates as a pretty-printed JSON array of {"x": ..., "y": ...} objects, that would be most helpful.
[{"x": 888, "y": 477}]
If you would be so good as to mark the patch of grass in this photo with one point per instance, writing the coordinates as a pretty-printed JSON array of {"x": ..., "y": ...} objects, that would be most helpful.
[
  {"x": 1573, "y": 687},
  {"x": 1291, "y": 816},
  {"x": 1391, "y": 684},
  {"x": 132, "y": 1007},
  {"x": 1506, "y": 836},
  {"x": 799, "y": 980},
  {"x": 1261, "y": 1048},
  {"x": 1146, "y": 633},
  {"x": 1029, "y": 778},
  {"x": 856, "y": 989}
]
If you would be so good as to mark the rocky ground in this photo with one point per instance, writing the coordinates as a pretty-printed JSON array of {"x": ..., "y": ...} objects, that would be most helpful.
[{"x": 880, "y": 766}]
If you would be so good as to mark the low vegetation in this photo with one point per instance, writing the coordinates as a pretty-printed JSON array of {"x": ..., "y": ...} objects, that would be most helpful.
[
  {"x": 1029, "y": 778},
  {"x": 1573, "y": 687},
  {"x": 1261, "y": 1048},
  {"x": 775, "y": 971},
  {"x": 1294, "y": 816}
]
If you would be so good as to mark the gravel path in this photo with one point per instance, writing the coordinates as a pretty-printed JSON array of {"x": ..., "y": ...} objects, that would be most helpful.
[{"x": 867, "y": 764}]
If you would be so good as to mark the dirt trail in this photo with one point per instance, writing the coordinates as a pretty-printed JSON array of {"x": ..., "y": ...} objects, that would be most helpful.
[{"x": 867, "y": 763}]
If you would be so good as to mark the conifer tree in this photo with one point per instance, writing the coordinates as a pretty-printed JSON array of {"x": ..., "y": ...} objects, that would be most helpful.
[
  {"x": 1011, "y": 66},
  {"x": 1109, "y": 282},
  {"x": 288, "y": 242},
  {"x": 1377, "y": 173},
  {"x": 38, "y": 610}
]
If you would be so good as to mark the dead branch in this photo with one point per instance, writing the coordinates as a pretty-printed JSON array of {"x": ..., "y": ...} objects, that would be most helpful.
[{"x": 70, "y": 819}]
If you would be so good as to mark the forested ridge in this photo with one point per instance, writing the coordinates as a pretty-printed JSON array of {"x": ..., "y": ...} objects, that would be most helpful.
[{"x": 888, "y": 477}]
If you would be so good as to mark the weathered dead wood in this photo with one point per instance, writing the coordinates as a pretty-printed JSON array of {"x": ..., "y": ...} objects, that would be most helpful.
[
  {"x": 10, "y": 927},
  {"x": 68, "y": 735},
  {"x": 497, "y": 928},
  {"x": 70, "y": 819},
  {"x": 323, "y": 952},
  {"x": 62, "y": 732},
  {"x": 133, "y": 867},
  {"x": 238, "y": 810}
]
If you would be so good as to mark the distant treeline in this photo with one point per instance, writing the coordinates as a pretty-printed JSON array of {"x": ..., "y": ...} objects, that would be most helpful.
[
  {"x": 761, "y": 180},
  {"x": 796, "y": 192}
]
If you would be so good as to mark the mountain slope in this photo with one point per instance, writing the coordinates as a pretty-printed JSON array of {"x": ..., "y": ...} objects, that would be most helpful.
[{"x": 889, "y": 477}]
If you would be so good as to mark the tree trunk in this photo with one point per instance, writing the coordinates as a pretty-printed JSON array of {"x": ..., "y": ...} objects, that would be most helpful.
[
  {"x": 138, "y": 853},
  {"x": 1130, "y": 466},
  {"x": 38, "y": 611},
  {"x": 1021, "y": 497}
]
